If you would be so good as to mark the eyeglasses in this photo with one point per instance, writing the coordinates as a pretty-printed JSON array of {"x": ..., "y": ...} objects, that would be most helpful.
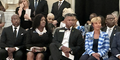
[{"x": 110, "y": 18}]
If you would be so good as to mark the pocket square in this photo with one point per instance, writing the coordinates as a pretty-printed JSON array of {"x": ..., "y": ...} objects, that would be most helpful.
[
  {"x": 34, "y": 32},
  {"x": 21, "y": 33}
]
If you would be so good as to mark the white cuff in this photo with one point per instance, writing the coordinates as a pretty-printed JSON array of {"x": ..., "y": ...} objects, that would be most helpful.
[
  {"x": 31, "y": 48},
  {"x": 45, "y": 48},
  {"x": 16, "y": 48},
  {"x": 6, "y": 48},
  {"x": 60, "y": 47},
  {"x": 117, "y": 55}
]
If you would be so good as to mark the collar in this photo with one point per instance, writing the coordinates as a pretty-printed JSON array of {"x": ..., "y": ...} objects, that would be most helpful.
[
  {"x": 37, "y": 0},
  {"x": 16, "y": 27},
  {"x": 40, "y": 33},
  {"x": 61, "y": 1},
  {"x": 68, "y": 29}
]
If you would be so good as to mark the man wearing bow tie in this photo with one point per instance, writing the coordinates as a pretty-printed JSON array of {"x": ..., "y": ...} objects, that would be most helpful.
[
  {"x": 12, "y": 40},
  {"x": 67, "y": 41}
]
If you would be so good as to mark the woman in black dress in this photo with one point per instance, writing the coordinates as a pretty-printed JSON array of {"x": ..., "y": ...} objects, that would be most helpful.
[
  {"x": 38, "y": 39},
  {"x": 26, "y": 21}
]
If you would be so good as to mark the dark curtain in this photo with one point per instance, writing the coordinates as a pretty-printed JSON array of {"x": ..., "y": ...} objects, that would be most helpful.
[{"x": 83, "y": 8}]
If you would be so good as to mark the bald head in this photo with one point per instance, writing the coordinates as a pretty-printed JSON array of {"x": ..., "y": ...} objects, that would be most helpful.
[
  {"x": 15, "y": 20},
  {"x": 110, "y": 20},
  {"x": 50, "y": 17}
]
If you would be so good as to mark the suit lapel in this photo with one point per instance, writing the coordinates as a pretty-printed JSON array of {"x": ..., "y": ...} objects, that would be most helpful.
[
  {"x": 62, "y": 6},
  {"x": 61, "y": 34},
  {"x": 71, "y": 35},
  {"x": 56, "y": 6},
  {"x": 39, "y": 4},
  {"x": 113, "y": 33},
  {"x": 11, "y": 30},
  {"x": 19, "y": 32}
]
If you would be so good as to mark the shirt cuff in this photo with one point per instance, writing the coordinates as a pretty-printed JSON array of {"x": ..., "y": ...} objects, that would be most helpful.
[
  {"x": 6, "y": 48},
  {"x": 60, "y": 47},
  {"x": 31, "y": 48},
  {"x": 117, "y": 55},
  {"x": 45, "y": 48},
  {"x": 16, "y": 48}
]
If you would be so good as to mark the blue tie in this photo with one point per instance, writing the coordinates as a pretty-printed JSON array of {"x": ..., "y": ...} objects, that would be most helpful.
[{"x": 36, "y": 4}]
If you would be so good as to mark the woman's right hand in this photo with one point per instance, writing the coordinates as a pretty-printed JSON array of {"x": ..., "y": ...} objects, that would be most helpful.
[
  {"x": 96, "y": 55},
  {"x": 21, "y": 5},
  {"x": 33, "y": 49}
]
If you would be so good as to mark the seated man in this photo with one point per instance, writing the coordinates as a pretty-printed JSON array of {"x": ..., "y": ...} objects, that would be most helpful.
[
  {"x": 67, "y": 41},
  {"x": 111, "y": 29},
  {"x": 115, "y": 48},
  {"x": 12, "y": 41}
]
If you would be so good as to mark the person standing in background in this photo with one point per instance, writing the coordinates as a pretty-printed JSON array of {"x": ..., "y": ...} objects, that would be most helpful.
[
  {"x": 57, "y": 10},
  {"x": 2, "y": 20},
  {"x": 38, "y": 7},
  {"x": 25, "y": 19}
]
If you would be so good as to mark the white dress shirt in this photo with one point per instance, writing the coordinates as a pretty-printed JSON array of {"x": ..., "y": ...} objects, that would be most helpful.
[
  {"x": 109, "y": 31},
  {"x": 65, "y": 42},
  {"x": 60, "y": 2},
  {"x": 13, "y": 27}
]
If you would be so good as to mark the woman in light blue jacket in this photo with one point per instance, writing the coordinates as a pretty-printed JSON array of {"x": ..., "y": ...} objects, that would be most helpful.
[{"x": 96, "y": 42}]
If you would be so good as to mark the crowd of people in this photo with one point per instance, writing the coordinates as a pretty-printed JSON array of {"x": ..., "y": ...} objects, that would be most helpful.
[{"x": 39, "y": 35}]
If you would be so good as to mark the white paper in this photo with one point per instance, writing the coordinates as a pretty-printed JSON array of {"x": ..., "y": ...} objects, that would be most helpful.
[
  {"x": 70, "y": 56},
  {"x": 28, "y": 12}
]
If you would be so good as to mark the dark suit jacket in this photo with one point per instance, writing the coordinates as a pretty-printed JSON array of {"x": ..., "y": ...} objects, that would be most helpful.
[
  {"x": 75, "y": 40},
  {"x": 42, "y": 7},
  {"x": 8, "y": 40},
  {"x": 115, "y": 30},
  {"x": 58, "y": 13},
  {"x": 115, "y": 48}
]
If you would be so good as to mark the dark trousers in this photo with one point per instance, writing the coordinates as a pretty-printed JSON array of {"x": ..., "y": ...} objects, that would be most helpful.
[
  {"x": 56, "y": 54},
  {"x": 17, "y": 54},
  {"x": 113, "y": 58},
  {"x": 87, "y": 57}
]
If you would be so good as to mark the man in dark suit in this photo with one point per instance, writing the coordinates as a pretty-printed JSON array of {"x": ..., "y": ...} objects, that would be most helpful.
[
  {"x": 12, "y": 40},
  {"x": 57, "y": 10},
  {"x": 115, "y": 48},
  {"x": 111, "y": 29},
  {"x": 38, "y": 7},
  {"x": 67, "y": 41}
]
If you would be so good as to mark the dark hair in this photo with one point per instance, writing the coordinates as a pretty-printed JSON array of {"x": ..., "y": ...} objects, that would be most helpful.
[
  {"x": 70, "y": 14},
  {"x": 36, "y": 21}
]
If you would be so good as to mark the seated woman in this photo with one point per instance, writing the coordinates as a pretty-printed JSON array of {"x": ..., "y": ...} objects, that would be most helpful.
[
  {"x": 38, "y": 39},
  {"x": 96, "y": 42}
]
